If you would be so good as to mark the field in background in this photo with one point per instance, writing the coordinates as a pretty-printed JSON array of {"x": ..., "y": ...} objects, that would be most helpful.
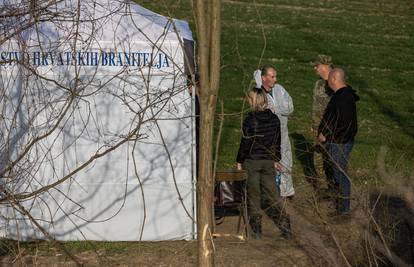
[{"x": 372, "y": 40}]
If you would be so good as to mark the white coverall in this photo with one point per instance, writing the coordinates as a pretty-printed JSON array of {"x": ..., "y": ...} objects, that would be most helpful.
[{"x": 281, "y": 104}]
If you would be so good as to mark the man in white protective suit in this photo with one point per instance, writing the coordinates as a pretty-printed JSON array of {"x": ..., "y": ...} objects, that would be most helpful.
[{"x": 281, "y": 104}]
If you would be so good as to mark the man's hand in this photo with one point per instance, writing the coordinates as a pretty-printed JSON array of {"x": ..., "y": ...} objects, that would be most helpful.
[
  {"x": 321, "y": 138},
  {"x": 239, "y": 166},
  {"x": 278, "y": 166}
]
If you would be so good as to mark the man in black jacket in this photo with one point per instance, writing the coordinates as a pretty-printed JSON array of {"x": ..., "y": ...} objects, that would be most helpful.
[{"x": 337, "y": 131}]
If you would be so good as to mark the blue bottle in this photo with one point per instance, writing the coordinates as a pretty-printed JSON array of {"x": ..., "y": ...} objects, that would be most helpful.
[{"x": 278, "y": 178}]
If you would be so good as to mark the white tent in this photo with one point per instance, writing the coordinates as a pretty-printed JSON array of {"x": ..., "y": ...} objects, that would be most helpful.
[{"x": 95, "y": 104}]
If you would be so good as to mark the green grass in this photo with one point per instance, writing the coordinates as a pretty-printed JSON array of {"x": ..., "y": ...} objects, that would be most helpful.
[{"x": 372, "y": 40}]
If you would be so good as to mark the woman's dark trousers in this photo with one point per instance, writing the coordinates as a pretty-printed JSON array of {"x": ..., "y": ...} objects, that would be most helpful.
[{"x": 262, "y": 192}]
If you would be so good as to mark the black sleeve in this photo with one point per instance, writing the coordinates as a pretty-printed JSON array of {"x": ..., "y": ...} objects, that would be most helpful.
[
  {"x": 246, "y": 141},
  {"x": 327, "y": 125},
  {"x": 278, "y": 148},
  {"x": 277, "y": 141}
]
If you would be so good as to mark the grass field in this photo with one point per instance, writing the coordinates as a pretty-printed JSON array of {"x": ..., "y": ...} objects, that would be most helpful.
[{"x": 372, "y": 40}]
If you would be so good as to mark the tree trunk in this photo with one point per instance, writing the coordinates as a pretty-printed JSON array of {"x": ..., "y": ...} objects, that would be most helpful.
[{"x": 208, "y": 32}]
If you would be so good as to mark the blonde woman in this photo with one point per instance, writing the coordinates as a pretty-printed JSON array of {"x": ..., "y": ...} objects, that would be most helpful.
[{"x": 259, "y": 155}]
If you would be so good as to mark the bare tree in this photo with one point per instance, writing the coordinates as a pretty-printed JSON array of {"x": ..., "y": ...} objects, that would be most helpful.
[{"x": 207, "y": 15}]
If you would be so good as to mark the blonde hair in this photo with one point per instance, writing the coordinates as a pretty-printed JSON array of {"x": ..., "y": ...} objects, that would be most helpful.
[{"x": 257, "y": 99}]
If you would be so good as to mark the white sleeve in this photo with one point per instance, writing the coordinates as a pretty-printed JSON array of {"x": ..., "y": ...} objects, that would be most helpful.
[
  {"x": 270, "y": 103},
  {"x": 284, "y": 103}
]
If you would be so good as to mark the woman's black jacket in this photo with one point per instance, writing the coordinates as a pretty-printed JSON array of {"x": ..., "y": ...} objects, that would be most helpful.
[{"x": 261, "y": 137}]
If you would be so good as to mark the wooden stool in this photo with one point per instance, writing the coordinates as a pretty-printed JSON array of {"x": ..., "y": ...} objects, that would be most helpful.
[{"x": 230, "y": 193}]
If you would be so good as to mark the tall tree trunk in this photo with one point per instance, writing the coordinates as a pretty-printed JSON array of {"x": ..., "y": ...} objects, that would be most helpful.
[{"x": 208, "y": 38}]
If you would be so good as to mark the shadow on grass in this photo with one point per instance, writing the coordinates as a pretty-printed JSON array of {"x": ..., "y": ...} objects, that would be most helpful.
[
  {"x": 404, "y": 122},
  {"x": 305, "y": 155}
]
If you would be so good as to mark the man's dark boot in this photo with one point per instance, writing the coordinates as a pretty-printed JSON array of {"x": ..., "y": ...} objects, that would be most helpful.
[{"x": 256, "y": 225}]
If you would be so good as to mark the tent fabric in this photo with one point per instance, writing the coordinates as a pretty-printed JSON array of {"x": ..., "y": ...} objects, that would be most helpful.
[
  {"x": 124, "y": 16},
  {"x": 127, "y": 65}
]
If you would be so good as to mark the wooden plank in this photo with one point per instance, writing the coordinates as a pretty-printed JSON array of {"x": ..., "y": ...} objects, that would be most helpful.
[{"x": 231, "y": 175}]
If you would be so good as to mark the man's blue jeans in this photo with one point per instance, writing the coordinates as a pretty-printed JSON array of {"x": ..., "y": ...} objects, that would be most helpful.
[{"x": 338, "y": 155}]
